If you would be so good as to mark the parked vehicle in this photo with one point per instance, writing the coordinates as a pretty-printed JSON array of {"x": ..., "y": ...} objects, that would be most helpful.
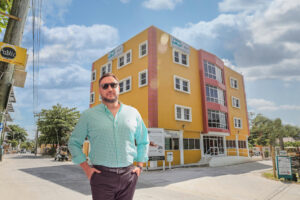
[{"x": 61, "y": 153}]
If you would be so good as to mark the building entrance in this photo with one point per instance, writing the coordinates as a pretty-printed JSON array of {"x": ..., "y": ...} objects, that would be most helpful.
[{"x": 213, "y": 145}]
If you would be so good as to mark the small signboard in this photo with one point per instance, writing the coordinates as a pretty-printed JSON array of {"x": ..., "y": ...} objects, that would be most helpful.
[
  {"x": 157, "y": 144},
  {"x": 283, "y": 153},
  {"x": 170, "y": 156},
  {"x": 115, "y": 52},
  {"x": 284, "y": 167},
  {"x": 13, "y": 54},
  {"x": 178, "y": 44}
]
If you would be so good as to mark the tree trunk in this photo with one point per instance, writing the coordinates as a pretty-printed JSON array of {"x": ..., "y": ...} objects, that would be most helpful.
[
  {"x": 272, "y": 149},
  {"x": 281, "y": 143}
]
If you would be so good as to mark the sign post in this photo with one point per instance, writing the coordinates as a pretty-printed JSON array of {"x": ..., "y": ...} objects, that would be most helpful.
[{"x": 170, "y": 158}]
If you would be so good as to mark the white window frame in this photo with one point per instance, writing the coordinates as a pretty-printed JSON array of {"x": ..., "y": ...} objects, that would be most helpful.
[
  {"x": 140, "y": 80},
  {"x": 124, "y": 83},
  {"x": 100, "y": 98},
  {"x": 140, "y": 49},
  {"x": 92, "y": 97},
  {"x": 181, "y": 84},
  {"x": 218, "y": 75},
  {"x": 182, "y": 113},
  {"x": 235, "y": 122},
  {"x": 232, "y": 80},
  {"x": 94, "y": 75},
  {"x": 125, "y": 60},
  {"x": 180, "y": 57},
  {"x": 234, "y": 100},
  {"x": 106, "y": 67}
]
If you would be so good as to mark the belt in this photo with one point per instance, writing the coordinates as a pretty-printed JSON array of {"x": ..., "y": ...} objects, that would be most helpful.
[{"x": 117, "y": 170}]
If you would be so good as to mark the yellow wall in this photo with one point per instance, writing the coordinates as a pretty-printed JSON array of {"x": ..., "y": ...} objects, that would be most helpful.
[
  {"x": 236, "y": 112},
  {"x": 136, "y": 97},
  {"x": 168, "y": 96}
]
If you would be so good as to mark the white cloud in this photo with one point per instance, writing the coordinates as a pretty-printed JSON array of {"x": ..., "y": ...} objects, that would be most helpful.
[
  {"x": 241, "y": 5},
  {"x": 262, "y": 44},
  {"x": 265, "y": 105},
  {"x": 161, "y": 4}
]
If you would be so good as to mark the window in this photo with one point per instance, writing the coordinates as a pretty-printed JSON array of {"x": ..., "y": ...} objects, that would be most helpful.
[
  {"x": 217, "y": 119},
  {"x": 230, "y": 144},
  {"x": 93, "y": 75},
  {"x": 181, "y": 84},
  {"x": 234, "y": 83},
  {"x": 242, "y": 144},
  {"x": 191, "y": 143},
  {"x": 183, "y": 113},
  {"x": 106, "y": 68},
  {"x": 143, "y": 49},
  {"x": 212, "y": 71},
  {"x": 125, "y": 85},
  {"x": 214, "y": 94},
  {"x": 124, "y": 59},
  {"x": 92, "y": 98},
  {"x": 171, "y": 143},
  {"x": 180, "y": 57},
  {"x": 237, "y": 122},
  {"x": 235, "y": 102},
  {"x": 143, "y": 78}
]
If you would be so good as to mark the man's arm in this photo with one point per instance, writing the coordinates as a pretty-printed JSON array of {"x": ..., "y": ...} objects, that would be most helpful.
[{"x": 88, "y": 170}]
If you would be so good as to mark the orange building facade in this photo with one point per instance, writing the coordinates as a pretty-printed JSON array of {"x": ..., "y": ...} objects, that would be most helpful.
[{"x": 183, "y": 92}]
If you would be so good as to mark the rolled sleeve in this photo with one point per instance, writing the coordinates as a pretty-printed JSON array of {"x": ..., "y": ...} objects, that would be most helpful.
[
  {"x": 76, "y": 140},
  {"x": 142, "y": 141}
]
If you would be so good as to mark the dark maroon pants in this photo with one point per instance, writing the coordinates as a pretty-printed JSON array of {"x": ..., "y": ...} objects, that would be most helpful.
[{"x": 113, "y": 183}]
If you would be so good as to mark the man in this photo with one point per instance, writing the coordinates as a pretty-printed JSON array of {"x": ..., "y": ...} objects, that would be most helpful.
[{"x": 118, "y": 137}]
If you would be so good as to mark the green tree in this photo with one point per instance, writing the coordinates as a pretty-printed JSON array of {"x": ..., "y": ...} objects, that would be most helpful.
[
  {"x": 16, "y": 133},
  {"x": 5, "y": 7},
  {"x": 56, "y": 124}
]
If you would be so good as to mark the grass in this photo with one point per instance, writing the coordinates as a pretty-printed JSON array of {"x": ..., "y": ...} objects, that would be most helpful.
[{"x": 269, "y": 175}]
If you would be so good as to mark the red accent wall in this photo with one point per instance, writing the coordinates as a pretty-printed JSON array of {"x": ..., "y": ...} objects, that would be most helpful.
[
  {"x": 203, "y": 55},
  {"x": 152, "y": 79}
]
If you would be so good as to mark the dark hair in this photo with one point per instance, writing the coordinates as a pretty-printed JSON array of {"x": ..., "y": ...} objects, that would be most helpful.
[{"x": 108, "y": 75}]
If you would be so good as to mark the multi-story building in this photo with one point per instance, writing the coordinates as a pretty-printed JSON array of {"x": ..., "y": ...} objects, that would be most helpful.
[{"x": 189, "y": 95}]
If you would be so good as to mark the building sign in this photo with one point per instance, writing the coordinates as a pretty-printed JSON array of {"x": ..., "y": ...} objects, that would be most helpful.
[
  {"x": 284, "y": 167},
  {"x": 13, "y": 54},
  {"x": 115, "y": 52},
  {"x": 178, "y": 44},
  {"x": 157, "y": 144}
]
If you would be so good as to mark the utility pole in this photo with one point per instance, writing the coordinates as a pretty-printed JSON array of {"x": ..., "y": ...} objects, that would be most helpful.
[{"x": 13, "y": 35}]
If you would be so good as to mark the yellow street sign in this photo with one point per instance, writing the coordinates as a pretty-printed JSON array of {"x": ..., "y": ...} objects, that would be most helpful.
[{"x": 13, "y": 54}]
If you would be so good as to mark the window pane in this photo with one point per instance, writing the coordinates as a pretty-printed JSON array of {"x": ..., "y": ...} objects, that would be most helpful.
[
  {"x": 121, "y": 84},
  {"x": 121, "y": 61},
  {"x": 191, "y": 143},
  {"x": 168, "y": 143},
  {"x": 175, "y": 144},
  {"x": 178, "y": 112},
  {"x": 177, "y": 83},
  {"x": 185, "y": 143},
  {"x": 127, "y": 84},
  {"x": 183, "y": 59},
  {"x": 185, "y": 86},
  {"x": 197, "y": 143},
  {"x": 176, "y": 56},
  {"x": 128, "y": 57},
  {"x": 186, "y": 114}
]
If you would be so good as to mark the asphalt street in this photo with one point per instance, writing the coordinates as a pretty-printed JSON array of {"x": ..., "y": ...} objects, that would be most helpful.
[{"x": 25, "y": 177}]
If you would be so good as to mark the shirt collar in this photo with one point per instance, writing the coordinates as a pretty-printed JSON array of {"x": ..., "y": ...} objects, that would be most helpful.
[{"x": 104, "y": 107}]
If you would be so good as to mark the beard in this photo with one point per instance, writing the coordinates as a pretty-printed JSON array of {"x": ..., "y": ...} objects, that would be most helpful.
[{"x": 110, "y": 100}]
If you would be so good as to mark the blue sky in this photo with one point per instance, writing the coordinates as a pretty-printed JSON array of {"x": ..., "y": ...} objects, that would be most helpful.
[{"x": 258, "y": 38}]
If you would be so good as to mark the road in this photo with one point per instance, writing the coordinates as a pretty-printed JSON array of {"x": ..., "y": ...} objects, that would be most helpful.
[{"x": 24, "y": 177}]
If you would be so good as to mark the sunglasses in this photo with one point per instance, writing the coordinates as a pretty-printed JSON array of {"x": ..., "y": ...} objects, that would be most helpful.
[{"x": 106, "y": 85}]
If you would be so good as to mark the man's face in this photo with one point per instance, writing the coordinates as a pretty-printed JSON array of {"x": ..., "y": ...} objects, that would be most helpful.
[{"x": 108, "y": 93}]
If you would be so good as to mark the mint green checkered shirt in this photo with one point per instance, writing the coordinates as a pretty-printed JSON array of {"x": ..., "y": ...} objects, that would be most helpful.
[{"x": 112, "y": 139}]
